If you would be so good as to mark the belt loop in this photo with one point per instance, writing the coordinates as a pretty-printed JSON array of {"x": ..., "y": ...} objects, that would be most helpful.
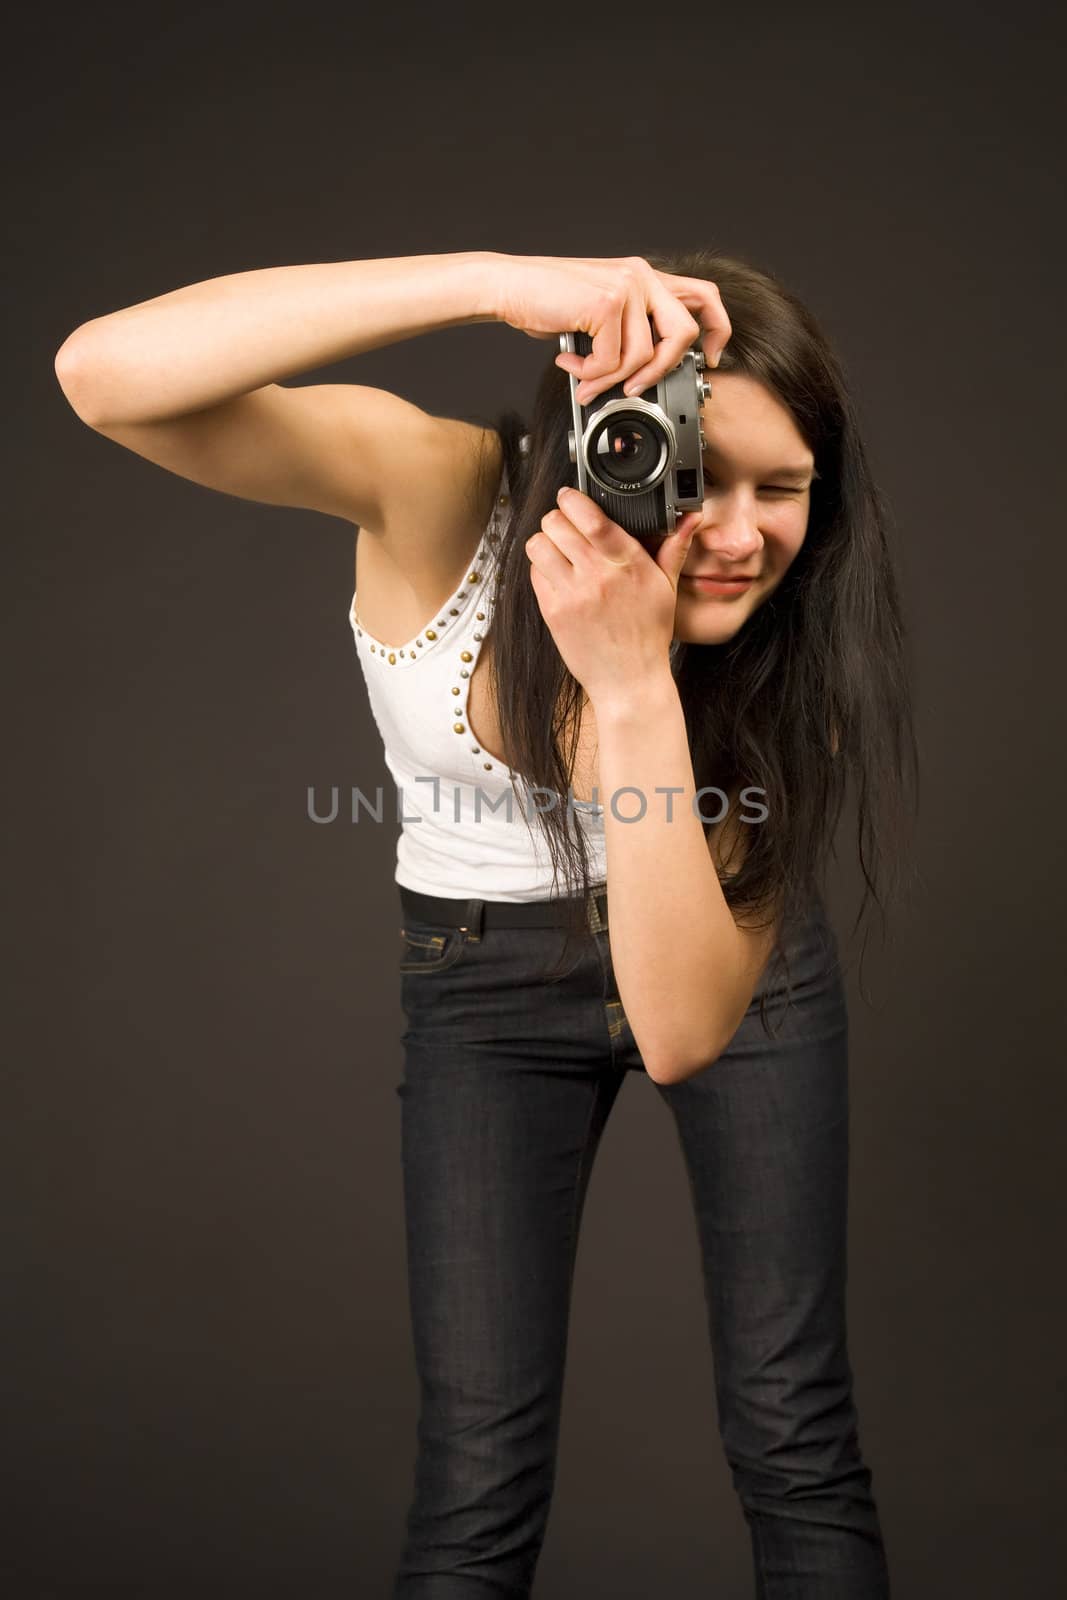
[{"x": 475, "y": 915}]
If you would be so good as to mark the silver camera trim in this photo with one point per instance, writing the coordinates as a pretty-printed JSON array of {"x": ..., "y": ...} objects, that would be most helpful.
[
  {"x": 690, "y": 441},
  {"x": 668, "y": 449}
]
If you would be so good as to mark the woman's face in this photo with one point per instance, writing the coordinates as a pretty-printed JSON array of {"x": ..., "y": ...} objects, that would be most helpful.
[{"x": 757, "y": 482}]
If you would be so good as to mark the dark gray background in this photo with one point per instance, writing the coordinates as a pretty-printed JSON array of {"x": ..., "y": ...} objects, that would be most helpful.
[{"x": 212, "y": 1386}]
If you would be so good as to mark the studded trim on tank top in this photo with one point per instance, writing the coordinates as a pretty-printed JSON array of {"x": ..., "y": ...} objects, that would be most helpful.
[{"x": 424, "y": 641}]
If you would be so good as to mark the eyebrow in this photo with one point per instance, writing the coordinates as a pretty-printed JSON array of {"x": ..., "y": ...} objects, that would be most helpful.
[{"x": 777, "y": 472}]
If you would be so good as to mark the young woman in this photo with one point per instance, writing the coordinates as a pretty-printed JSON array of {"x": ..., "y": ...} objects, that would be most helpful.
[{"x": 633, "y": 758}]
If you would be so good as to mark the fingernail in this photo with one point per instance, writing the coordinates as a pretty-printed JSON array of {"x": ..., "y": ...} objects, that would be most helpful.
[{"x": 633, "y": 387}]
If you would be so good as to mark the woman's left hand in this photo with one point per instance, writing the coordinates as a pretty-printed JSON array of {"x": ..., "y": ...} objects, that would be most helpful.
[{"x": 607, "y": 602}]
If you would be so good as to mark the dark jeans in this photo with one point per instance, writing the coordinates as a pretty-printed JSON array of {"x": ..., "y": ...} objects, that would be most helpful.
[{"x": 508, "y": 1083}]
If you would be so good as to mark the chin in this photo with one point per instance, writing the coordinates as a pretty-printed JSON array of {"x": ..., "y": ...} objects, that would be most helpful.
[
  {"x": 712, "y": 635},
  {"x": 705, "y": 622}
]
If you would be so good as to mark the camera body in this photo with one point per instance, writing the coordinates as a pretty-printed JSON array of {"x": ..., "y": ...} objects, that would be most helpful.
[{"x": 639, "y": 456}]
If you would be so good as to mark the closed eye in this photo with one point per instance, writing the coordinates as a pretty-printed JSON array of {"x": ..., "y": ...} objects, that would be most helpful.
[{"x": 767, "y": 488}]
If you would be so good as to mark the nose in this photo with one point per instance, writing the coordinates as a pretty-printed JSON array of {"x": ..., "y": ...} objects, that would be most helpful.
[{"x": 728, "y": 526}]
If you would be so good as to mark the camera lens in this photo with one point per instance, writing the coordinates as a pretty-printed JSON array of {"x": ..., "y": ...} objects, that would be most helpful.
[{"x": 627, "y": 450}]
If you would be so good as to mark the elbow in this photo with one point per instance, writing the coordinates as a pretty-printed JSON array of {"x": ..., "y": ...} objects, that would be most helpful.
[
  {"x": 686, "y": 1059},
  {"x": 678, "y": 1065},
  {"x": 74, "y": 369}
]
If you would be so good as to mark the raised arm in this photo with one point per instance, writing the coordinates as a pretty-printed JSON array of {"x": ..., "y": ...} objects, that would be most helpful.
[
  {"x": 208, "y": 342},
  {"x": 193, "y": 378},
  {"x": 190, "y": 381}
]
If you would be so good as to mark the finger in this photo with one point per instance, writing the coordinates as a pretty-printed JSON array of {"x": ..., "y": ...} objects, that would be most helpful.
[
  {"x": 567, "y": 537},
  {"x": 672, "y": 553},
  {"x": 702, "y": 297},
  {"x": 600, "y": 535},
  {"x": 699, "y": 295},
  {"x": 678, "y": 330},
  {"x": 544, "y": 554},
  {"x": 604, "y": 325},
  {"x": 606, "y": 353},
  {"x": 636, "y": 345}
]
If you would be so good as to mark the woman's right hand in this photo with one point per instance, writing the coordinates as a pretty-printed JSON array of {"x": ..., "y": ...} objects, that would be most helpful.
[{"x": 612, "y": 300}]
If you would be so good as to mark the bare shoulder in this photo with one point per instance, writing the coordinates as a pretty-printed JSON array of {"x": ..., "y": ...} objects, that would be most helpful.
[
  {"x": 431, "y": 524},
  {"x": 440, "y": 500}
]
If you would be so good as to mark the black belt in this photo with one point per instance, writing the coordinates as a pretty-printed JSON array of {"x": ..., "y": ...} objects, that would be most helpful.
[{"x": 478, "y": 914}]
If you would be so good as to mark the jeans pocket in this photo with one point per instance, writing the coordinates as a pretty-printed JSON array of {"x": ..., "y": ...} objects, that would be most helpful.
[{"x": 428, "y": 948}]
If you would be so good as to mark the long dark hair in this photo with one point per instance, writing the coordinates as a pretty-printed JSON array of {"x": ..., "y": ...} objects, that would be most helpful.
[{"x": 820, "y": 664}]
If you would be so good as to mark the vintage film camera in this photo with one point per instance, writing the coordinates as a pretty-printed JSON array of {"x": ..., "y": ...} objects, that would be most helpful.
[{"x": 639, "y": 456}]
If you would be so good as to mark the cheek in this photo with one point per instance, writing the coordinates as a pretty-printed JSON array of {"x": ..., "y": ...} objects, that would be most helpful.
[{"x": 786, "y": 531}]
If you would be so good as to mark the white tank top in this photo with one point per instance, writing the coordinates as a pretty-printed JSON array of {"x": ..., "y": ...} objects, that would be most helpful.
[{"x": 463, "y": 832}]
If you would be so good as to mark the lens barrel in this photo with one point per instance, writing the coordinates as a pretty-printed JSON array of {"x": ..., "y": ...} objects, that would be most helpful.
[{"x": 627, "y": 450}]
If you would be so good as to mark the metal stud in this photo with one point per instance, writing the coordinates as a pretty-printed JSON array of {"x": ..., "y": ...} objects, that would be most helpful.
[
  {"x": 472, "y": 577},
  {"x": 488, "y": 765},
  {"x": 373, "y": 647},
  {"x": 463, "y": 672},
  {"x": 457, "y": 727},
  {"x": 392, "y": 659},
  {"x": 430, "y": 634},
  {"x": 477, "y": 635},
  {"x": 455, "y": 691},
  {"x": 419, "y": 643},
  {"x": 465, "y": 655},
  {"x": 475, "y": 750},
  {"x": 479, "y": 616},
  {"x": 453, "y": 612}
]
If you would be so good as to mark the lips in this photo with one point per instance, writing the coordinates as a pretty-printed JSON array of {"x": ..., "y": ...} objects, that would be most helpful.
[{"x": 718, "y": 577}]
